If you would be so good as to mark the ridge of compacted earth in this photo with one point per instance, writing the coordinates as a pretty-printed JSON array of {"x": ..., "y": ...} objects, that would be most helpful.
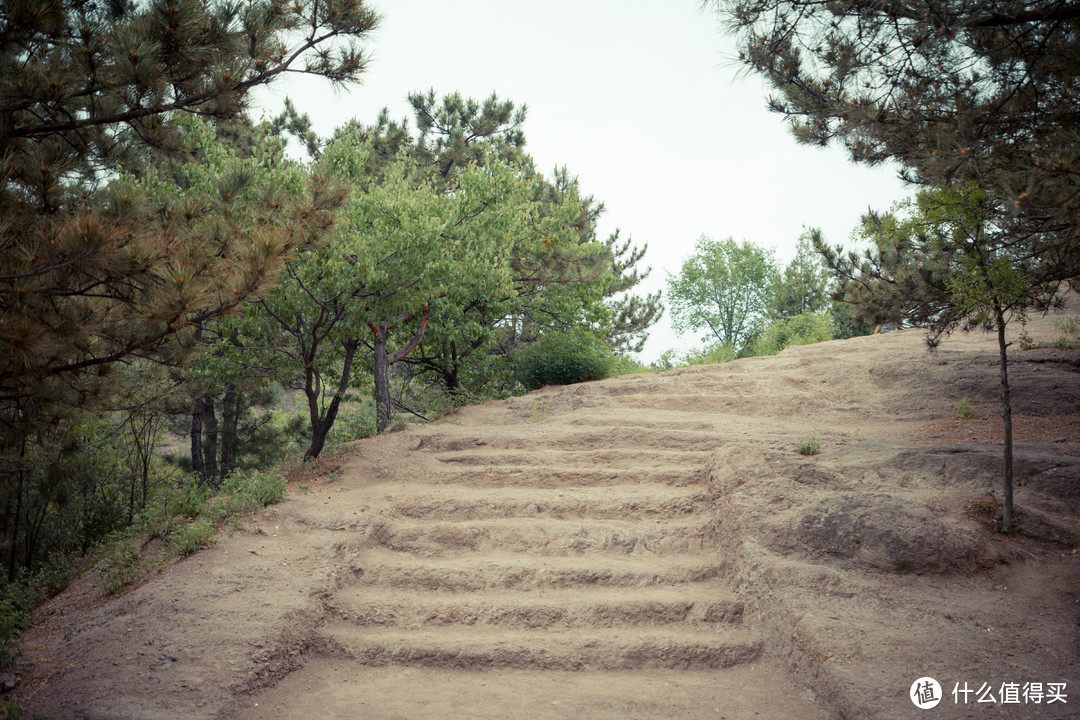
[{"x": 649, "y": 546}]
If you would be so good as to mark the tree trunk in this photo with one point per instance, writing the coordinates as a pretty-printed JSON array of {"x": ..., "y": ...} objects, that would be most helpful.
[
  {"x": 197, "y": 465},
  {"x": 230, "y": 419},
  {"x": 322, "y": 422},
  {"x": 18, "y": 513},
  {"x": 1006, "y": 417},
  {"x": 210, "y": 440},
  {"x": 384, "y": 360},
  {"x": 382, "y": 380},
  {"x": 321, "y": 429},
  {"x": 33, "y": 532}
]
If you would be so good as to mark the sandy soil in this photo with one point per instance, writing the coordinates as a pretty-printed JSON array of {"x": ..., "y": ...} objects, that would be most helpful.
[{"x": 651, "y": 546}]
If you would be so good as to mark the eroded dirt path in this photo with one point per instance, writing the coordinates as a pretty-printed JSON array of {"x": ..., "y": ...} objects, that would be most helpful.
[
  {"x": 540, "y": 563},
  {"x": 649, "y": 546}
]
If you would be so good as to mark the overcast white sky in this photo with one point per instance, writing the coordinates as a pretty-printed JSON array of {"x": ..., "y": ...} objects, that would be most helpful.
[{"x": 640, "y": 99}]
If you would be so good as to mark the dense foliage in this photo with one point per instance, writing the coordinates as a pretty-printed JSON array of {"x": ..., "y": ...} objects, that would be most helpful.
[
  {"x": 93, "y": 269},
  {"x": 129, "y": 229},
  {"x": 564, "y": 359},
  {"x": 171, "y": 276},
  {"x": 752, "y": 306}
]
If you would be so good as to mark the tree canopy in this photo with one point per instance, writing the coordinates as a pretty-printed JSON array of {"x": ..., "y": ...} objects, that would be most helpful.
[
  {"x": 952, "y": 90},
  {"x": 94, "y": 269},
  {"x": 803, "y": 285},
  {"x": 724, "y": 289},
  {"x": 945, "y": 260},
  {"x": 556, "y": 286}
]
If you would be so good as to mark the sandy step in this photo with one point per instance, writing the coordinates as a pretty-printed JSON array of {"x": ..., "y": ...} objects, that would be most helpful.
[
  {"x": 636, "y": 438},
  {"x": 577, "y": 436},
  {"x": 553, "y": 475},
  {"x": 344, "y": 688},
  {"x": 596, "y": 649},
  {"x": 523, "y": 571},
  {"x": 548, "y": 536},
  {"x": 626, "y": 502},
  {"x": 612, "y": 459},
  {"x": 693, "y": 604}
]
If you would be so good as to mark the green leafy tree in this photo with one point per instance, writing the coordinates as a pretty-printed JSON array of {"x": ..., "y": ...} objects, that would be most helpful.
[
  {"x": 952, "y": 90},
  {"x": 555, "y": 285},
  {"x": 403, "y": 247},
  {"x": 943, "y": 261},
  {"x": 230, "y": 388},
  {"x": 77, "y": 473},
  {"x": 723, "y": 288},
  {"x": 564, "y": 359}
]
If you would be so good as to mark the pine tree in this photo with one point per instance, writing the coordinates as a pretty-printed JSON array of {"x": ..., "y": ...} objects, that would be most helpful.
[
  {"x": 942, "y": 261},
  {"x": 803, "y": 285},
  {"x": 93, "y": 268},
  {"x": 952, "y": 90}
]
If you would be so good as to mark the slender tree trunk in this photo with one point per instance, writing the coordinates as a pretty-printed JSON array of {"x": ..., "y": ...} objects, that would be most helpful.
[
  {"x": 18, "y": 512},
  {"x": 383, "y": 361},
  {"x": 322, "y": 422},
  {"x": 197, "y": 464},
  {"x": 144, "y": 438},
  {"x": 151, "y": 444},
  {"x": 33, "y": 532},
  {"x": 210, "y": 440},
  {"x": 322, "y": 428},
  {"x": 230, "y": 419},
  {"x": 1006, "y": 417},
  {"x": 382, "y": 380},
  {"x": 450, "y": 376}
]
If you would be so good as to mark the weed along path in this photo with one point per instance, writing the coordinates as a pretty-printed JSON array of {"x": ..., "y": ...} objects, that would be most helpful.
[{"x": 650, "y": 546}]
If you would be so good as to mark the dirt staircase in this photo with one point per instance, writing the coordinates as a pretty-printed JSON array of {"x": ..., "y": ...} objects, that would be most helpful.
[{"x": 592, "y": 573}]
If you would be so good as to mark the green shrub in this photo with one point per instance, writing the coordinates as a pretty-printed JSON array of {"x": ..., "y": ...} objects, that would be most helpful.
[
  {"x": 1069, "y": 328},
  {"x": 624, "y": 365},
  {"x": 244, "y": 492},
  {"x": 253, "y": 489},
  {"x": 564, "y": 359},
  {"x": 718, "y": 353},
  {"x": 14, "y": 620},
  {"x": 353, "y": 424},
  {"x": 805, "y": 329},
  {"x": 1069, "y": 325},
  {"x": 185, "y": 519},
  {"x": 668, "y": 360},
  {"x": 171, "y": 507},
  {"x": 121, "y": 564},
  {"x": 191, "y": 537}
]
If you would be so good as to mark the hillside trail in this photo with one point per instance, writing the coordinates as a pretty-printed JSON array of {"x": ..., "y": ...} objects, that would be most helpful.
[{"x": 649, "y": 546}]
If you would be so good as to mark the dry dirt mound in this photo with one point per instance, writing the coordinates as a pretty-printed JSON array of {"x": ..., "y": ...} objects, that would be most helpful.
[{"x": 650, "y": 546}]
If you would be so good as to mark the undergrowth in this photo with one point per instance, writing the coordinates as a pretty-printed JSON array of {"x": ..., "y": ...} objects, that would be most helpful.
[{"x": 180, "y": 523}]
